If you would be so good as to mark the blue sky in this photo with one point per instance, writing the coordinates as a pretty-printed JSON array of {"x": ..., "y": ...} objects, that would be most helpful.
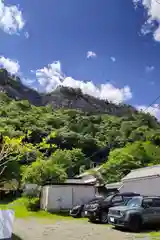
[{"x": 110, "y": 49}]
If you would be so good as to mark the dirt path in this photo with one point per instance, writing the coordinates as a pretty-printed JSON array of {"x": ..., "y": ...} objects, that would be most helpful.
[{"x": 67, "y": 230}]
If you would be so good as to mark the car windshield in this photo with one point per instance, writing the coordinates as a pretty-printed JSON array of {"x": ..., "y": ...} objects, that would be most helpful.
[
  {"x": 108, "y": 198},
  {"x": 134, "y": 202}
]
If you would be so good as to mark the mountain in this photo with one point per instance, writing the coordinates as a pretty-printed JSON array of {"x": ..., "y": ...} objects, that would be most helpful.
[
  {"x": 62, "y": 97},
  {"x": 70, "y": 98},
  {"x": 13, "y": 87},
  {"x": 74, "y": 130}
]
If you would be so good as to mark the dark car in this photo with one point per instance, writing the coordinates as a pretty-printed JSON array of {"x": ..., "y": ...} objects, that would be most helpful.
[
  {"x": 80, "y": 210},
  {"x": 138, "y": 211},
  {"x": 99, "y": 210}
]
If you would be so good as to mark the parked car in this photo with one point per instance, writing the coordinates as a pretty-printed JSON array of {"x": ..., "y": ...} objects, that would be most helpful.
[
  {"x": 99, "y": 210},
  {"x": 137, "y": 212},
  {"x": 80, "y": 210}
]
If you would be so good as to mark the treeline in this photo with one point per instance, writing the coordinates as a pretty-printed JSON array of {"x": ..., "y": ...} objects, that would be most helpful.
[{"x": 40, "y": 144}]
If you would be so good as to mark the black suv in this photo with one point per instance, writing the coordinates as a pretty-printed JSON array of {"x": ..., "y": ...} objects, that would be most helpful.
[
  {"x": 99, "y": 210},
  {"x": 137, "y": 212},
  {"x": 81, "y": 210}
]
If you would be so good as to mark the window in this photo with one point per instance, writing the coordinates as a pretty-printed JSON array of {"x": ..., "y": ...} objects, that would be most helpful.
[
  {"x": 108, "y": 198},
  {"x": 117, "y": 199},
  {"x": 126, "y": 199},
  {"x": 156, "y": 202},
  {"x": 134, "y": 202},
  {"x": 148, "y": 202}
]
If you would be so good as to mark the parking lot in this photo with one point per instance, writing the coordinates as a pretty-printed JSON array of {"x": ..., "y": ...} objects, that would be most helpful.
[{"x": 26, "y": 229}]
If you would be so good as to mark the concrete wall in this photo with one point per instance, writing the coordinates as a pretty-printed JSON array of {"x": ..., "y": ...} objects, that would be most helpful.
[
  {"x": 64, "y": 197},
  {"x": 148, "y": 186}
]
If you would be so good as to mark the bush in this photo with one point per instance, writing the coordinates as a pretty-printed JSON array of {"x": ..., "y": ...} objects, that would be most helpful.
[{"x": 33, "y": 204}]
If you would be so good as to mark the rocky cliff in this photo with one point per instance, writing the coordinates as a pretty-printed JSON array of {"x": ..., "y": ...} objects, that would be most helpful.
[{"x": 62, "y": 97}]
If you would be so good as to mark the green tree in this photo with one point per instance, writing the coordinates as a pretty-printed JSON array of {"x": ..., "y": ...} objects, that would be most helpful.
[
  {"x": 71, "y": 160},
  {"x": 13, "y": 152},
  {"x": 8, "y": 147},
  {"x": 122, "y": 161},
  {"x": 43, "y": 172}
]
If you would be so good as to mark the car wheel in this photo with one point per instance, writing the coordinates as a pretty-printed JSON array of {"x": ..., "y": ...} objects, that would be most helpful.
[
  {"x": 135, "y": 224},
  {"x": 104, "y": 217}
]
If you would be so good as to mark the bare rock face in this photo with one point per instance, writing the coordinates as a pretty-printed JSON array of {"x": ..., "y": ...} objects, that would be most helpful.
[
  {"x": 13, "y": 87},
  {"x": 62, "y": 97}
]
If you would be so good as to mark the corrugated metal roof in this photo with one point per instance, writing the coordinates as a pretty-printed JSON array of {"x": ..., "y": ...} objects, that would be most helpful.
[
  {"x": 77, "y": 181},
  {"x": 80, "y": 181},
  {"x": 93, "y": 180},
  {"x": 143, "y": 172},
  {"x": 114, "y": 185}
]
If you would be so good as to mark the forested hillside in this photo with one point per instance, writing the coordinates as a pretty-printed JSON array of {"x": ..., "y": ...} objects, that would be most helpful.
[{"x": 43, "y": 144}]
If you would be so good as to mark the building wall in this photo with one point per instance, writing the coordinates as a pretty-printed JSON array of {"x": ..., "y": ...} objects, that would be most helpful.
[
  {"x": 61, "y": 197},
  {"x": 82, "y": 194},
  {"x": 148, "y": 186}
]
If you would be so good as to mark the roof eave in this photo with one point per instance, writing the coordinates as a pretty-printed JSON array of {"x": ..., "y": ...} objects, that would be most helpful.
[{"x": 139, "y": 178}]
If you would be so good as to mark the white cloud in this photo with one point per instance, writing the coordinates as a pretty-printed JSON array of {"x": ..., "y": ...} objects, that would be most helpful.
[
  {"x": 26, "y": 34},
  {"x": 154, "y": 110},
  {"x": 91, "y": 54},
  {"x": 104, "y": 91},
  {"x": 11, "y": 65},
  {"x": 50, "y": 77},
  {"x": 150, "y": 69},
  {"x": 153, "y": 15},
  {"x": 113, "y": 59},
  {"x": 11, "y": 19}
]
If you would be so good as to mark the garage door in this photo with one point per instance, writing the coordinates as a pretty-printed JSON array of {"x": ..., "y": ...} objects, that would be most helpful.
[{"x": 60, "y": 197}]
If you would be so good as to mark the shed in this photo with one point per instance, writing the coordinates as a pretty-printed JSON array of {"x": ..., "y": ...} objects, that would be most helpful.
[
  {"x": 143, "y": 180},
  {"x": 59, "y": 197}
]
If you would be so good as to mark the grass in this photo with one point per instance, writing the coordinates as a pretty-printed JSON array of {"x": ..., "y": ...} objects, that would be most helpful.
[
  {"x": 19, "y": 207},
  {"x": 153, "y": 235}
]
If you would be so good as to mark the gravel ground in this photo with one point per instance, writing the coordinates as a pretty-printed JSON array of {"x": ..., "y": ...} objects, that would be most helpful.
[{"x": 67, "y": 230}]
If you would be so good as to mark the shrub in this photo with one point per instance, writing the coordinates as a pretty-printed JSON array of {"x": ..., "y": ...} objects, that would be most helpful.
[{"x": 33, "y": 204}]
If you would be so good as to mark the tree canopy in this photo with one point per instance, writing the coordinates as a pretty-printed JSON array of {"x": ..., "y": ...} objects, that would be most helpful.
[{"x": 42, "y": 144}]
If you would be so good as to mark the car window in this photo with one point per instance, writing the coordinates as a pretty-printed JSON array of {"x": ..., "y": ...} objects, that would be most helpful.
[
  {"x": 134, "y": 202},
  {"x": 117, "y": 199},
  {"x": 156, "y": 202},
  {"x": 148, "y": 202},
  {"x": 126, "y": 199},
  {"x": 108, "y": 198}
]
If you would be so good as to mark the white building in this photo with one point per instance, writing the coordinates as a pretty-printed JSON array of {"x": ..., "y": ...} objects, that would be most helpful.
[
  {"x": 64, "y": 196},
  {"x": 145, "y": 181}
]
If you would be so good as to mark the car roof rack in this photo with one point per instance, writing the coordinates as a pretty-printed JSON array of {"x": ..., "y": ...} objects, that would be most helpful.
[
  {"x": 150, "y": 196},
  {"x": 129, "y": 194}
]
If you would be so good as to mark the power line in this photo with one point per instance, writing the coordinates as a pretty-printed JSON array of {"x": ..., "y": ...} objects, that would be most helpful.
[{"x": 152, "y": 102}]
